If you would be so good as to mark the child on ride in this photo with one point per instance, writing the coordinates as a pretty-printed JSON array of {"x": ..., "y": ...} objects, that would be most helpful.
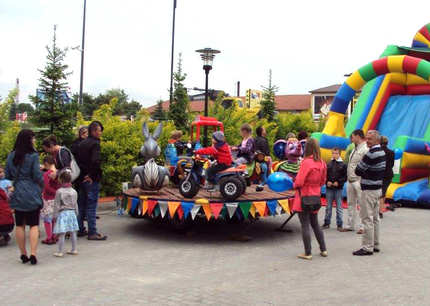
[{"x": 221, "y": 151}]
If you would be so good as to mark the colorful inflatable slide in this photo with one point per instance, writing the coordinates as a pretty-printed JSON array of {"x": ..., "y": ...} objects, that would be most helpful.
[{"x": 395, "y": 100}]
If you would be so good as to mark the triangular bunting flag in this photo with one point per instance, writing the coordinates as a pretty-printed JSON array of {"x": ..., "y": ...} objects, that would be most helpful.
[
  {"x": 173, "y": 206},
  {"x": 272, "y": 207},
  {"x": 124, "y": 203},
  {"x": 144, "y": 207},
  {"x": 244, "y": 207},
  {"x": 134, "y": 204},
  {"x": 180, "y": 212},
  {"x": 186, "y": 208},
  {"x": 285, "y": 205},
  {"x": 157, "y": 211},
  {"x": 195, "y": 210},
  {"x": 224, "y": 212},
  {"x": 252, "y": 211},
  {"x": 151, "y": 206},
  {"x": 216, "y": 209},
  {"x": 207, "y": 210},
  {"x": 231, "y": 209},
  {"x": 163, "y": 208},
  {"x": 129, "y": 204},
  {"x": 266, "y": 211},
  {"x": 278, "y": 209},
  {"x": 261, "y": 207}
]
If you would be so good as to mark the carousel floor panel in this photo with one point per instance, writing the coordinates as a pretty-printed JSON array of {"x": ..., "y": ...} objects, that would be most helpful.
[{"x": 173, "y": 194}]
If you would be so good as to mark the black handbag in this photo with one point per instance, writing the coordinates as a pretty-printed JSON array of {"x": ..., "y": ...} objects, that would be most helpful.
[{"x": 310, "y": 203}]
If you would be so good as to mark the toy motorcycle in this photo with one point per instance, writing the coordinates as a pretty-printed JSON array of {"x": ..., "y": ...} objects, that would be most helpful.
[{"x": 231, "y": 182}]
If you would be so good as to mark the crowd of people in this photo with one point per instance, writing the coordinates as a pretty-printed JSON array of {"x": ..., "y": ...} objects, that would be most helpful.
[
  {"x": 59, "y": 193},
  {"x": 63, "y": 199}
]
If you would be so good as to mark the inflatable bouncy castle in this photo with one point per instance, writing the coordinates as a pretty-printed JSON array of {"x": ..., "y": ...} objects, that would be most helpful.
[{"x": 395, "y": 100}]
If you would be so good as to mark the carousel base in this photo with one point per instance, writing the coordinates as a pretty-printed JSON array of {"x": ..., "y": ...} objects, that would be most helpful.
[{"x": 169, "y": 204}]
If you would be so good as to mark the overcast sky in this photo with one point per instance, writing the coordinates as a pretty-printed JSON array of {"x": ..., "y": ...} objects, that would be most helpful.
[{"x": 307, "y": 44}]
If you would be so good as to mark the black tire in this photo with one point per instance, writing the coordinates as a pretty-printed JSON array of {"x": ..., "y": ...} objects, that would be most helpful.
[
  {"x": 188, "y": 188},
  {"x": 243, "y": 181},
  {"x": 231, "y": 188}
]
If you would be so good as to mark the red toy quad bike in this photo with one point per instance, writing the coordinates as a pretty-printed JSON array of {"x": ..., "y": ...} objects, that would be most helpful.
[{"x": 231, "y": 182}]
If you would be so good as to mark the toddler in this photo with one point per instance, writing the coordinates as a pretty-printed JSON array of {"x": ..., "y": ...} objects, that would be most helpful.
[
  {"x": 48, "y": 195},
  {"x": 66, "y": 209}
]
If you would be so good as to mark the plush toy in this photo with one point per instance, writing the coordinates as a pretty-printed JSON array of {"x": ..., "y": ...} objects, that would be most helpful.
[
  {"x": 150, "y": 176},
  {"x": 292, "y": 154}
]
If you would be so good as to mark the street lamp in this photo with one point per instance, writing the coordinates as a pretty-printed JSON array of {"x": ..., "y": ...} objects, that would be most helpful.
[
  {"x": 81, "y": 81},
  {"x": 207, "y": 55}
]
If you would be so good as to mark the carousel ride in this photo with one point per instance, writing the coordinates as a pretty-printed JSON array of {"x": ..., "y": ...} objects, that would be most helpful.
[{"x": 176, "y": 192}]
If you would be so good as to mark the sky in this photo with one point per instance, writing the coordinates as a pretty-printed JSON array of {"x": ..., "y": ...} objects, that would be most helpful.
[{"x": 307, "y": 44}]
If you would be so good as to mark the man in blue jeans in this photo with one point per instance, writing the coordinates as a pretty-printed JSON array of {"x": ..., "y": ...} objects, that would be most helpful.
[
  {"x": 336, "y": 178},
  {"x": 89, "y": 185}
]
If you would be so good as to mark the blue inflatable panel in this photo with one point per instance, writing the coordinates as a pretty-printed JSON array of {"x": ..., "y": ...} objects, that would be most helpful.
[
  {"x": 339, "y": 105},
  {"x": 329, "y": 142},
  {"x": 345, "y": 92},
  {"x": 405, "y": 115},
  {"x": 344, "y": 194},
  {"x": 417, "y": 146},
  {"x": 411, "y": 191},
  {"x": 370, "y": 101},
  {"x": 424, "y": 198}
]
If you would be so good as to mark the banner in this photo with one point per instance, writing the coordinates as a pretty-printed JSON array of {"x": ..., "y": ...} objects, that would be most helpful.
[
  {"x": 272, "y": 207},
  {"x": 195, "y": 210},
  {"x": 252, "y": 211},
  {"x": 144, "y": 207},
  {"x": 244, "y": 207},
  {"x": 151, "y": 206},
  {"x": 216, "y": 209},
  {"x": 285, "y": 205},
  {"x": 186, "y": 208},
  {"x": 134, "y": 204},
  {"x": 207, "y": 210},
  {"x": 173, "y": 206},
  {"x": 163, "y": 208},
  {"x": 261, "y": 207},
  {"x": 231, "y": 209}
]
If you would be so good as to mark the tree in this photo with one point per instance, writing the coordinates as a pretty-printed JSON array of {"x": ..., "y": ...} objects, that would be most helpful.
[
  {"x": 159, "y": 113},
  {"x": 88, "y": 105},
  {"x": 53, "y": 108},
  {"x": 268, "y": 106},
  {"x": 19, "y": 109},
  {"x": 5, "y": 108},
  {"x": 178, "y": 109}
]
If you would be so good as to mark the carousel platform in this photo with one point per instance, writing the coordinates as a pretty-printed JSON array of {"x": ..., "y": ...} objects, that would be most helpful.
[{"x": 169, "y": 203}]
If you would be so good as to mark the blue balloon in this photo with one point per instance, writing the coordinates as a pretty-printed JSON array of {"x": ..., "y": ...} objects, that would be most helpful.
[
  {"x": 398, "y": 153},
  {"x": 279, "y": 148},
  {"x": 279, "y": 182}
]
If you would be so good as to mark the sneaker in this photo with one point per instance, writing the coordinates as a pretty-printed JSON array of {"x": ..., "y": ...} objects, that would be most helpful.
[
  {"x": 341, "y": 229},
  {"x": 360, "y": 231},
  {"x": 72, "y": 252},
  {"x": 324, "y": 253},
  {"x": 58, "y": 254},
  {"x": 325, "y": 226},
  {"x": 83, "y": 233},
  {"x": 376, "y": 250},
  {"x": 348, "y": 229},
  {"x": 304, "y": 256},
  {"x": 362, "y": 252},
  {"x": 259, "y": 188}
]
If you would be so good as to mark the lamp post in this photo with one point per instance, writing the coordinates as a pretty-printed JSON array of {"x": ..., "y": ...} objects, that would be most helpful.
[
  {"x": 207, "y": 55},
  {"x": 82, "y": 54},
  {"x": 172, "y": 55}
]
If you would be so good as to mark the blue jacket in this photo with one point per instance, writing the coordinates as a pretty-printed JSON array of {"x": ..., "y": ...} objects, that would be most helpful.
[{"x": 27, "y": 195}]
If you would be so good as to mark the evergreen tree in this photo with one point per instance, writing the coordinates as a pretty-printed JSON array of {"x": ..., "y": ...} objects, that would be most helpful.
[
  {"x": 268, "y": 107},
  {"x": 52, "y": 107},
  {"x": 159, "y": 113},
  {"x": 178, "y": 109}
]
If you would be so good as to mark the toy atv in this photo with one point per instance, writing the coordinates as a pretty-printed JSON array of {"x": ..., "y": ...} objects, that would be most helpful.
[{"x": 231, "y": 182}]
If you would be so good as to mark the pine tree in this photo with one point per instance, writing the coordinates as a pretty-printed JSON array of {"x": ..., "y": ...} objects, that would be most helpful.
[
  {"x": 52, "y": 106},
  {"x": 268, "y": 106},
  {"x": 159, "y": 113},
  {"x": 178, "y": 109}
]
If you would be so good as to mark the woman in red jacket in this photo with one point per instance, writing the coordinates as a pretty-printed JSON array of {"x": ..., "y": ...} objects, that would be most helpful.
[
  {"x": 310, "y": 178},
  {"x": 221, "y": 151},
  {"x": 6, "y": 219}
]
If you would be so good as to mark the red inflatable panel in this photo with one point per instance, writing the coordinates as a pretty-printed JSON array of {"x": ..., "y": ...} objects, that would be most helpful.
[
  {"x": 410, "y": 64},
  {"x": 381, "y": 66},
  {"x": 418, "y": 90},
  {"x": 409, "y": 174}
]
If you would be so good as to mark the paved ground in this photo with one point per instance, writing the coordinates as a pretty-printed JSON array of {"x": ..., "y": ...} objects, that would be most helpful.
[{"x": 143, "y": 263}]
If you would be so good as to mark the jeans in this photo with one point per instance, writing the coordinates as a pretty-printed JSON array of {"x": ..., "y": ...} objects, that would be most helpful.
[
  {"x": 213, "y": 170},
  {"x": 330, "y": 195},
  {"x": 87, "y": 202},
  {"x": 307, "y": 217},
  {"x": 264, "y": 172}
]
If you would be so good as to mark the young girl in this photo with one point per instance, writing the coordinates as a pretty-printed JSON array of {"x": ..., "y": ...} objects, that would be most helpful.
[
  {"x": 6, "y": 218},
  {"x": 48, "y": 195},
  {"x": 246, "y": 150},
  {"x": 66, "y": 209}
]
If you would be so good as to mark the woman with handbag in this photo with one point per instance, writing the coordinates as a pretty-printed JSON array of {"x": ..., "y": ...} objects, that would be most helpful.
[
  {"x": 307, "y": 200},
  {"x": 23, "y": 168}
]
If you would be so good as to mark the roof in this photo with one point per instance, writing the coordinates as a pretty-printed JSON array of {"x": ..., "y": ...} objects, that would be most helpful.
[
  {"x": 283, "y": 103},
  {"x": 329, "y": 89}
]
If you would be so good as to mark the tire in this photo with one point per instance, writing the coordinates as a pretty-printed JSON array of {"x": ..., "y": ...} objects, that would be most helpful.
[
  {"x": 243, "y": 181},
  {"x": 231, "y": 188},
  {"x": 188, "y": 188}
]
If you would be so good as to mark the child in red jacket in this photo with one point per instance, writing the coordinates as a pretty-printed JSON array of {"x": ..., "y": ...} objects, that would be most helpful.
[
  {"x": 221, "y": 151},
  {"x": 6, "y": 219}
]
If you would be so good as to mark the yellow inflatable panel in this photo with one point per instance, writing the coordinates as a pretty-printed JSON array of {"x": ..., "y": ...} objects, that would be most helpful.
[
  {"x": 391, "y": 189},
  {"x": 335, "y": 124},
  {"x": 398, "y": 78},
  {"x": 412, "y": 160},
  {"x": 355, "y": 81},
  {"x": 413, "y": 79},
  {"x": 326, "y": 154},
  {"x": 376, "y": 102},
  {"x": 395, "y": 63},
  {"x": 420, "y": 37}
]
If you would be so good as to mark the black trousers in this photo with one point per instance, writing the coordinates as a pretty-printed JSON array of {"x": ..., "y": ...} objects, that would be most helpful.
[
  {"x": 213, "y": 170},
  {"x": 307, "y": 218}
]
